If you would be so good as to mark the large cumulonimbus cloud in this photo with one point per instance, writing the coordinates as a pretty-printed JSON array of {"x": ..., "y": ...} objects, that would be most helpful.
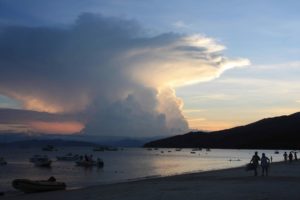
[{"x": 108, "y": 70}]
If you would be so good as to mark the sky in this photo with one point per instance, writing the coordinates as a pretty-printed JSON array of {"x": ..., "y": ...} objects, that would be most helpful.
[{"x": 146, "y": 68}]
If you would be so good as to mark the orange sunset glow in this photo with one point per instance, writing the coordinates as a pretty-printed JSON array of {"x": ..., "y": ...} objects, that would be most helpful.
[{"x": 69, "y": 127}]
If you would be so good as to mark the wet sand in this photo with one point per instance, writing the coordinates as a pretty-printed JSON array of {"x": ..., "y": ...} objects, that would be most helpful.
[{"x": 283, "y": 182}]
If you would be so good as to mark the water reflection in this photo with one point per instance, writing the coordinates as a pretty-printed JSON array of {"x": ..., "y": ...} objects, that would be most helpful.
[{"x": 120, "y": 165}]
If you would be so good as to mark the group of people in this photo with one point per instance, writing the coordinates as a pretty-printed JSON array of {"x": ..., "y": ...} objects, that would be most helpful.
[
  {"x": 264, "y": 163},
  {"x": 290, "y": 157}
]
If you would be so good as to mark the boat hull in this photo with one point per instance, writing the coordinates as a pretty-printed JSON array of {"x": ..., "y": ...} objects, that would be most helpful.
[{"x": 29, "y": 186}]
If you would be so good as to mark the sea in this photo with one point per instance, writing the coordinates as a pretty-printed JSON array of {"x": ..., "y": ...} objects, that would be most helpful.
[{"x": 125, "y": 164}]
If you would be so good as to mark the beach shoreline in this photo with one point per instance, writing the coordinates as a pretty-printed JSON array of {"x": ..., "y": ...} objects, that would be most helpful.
[{"x": 232, "y": 183}]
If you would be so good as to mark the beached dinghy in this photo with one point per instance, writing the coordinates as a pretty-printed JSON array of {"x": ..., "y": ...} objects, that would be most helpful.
[{"x": 29, "y": 186}]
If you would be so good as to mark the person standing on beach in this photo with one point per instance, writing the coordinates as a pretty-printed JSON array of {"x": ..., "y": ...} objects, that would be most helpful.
[
  {"x": 295, "y": 156},
  {"x": 285, "y": 156},
  {"x": 255, "y": 161},
  {"x": 290, "y": 157},
  {"x": 264, "y": 162}
]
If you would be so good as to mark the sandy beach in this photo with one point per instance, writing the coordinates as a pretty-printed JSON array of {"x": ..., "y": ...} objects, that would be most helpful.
[{"x": 283, "y": 182}]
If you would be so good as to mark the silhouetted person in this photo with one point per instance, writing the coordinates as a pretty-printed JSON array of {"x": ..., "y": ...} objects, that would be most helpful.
[
  {"x": 295, "y": 156},
  {"x": 255, "y": 159},
  {"x": 285, "y": 156},
  {"x": 290, "y": 157},
  {"x": 264, "y": 162},
  {"x": 271, "y": 158}
]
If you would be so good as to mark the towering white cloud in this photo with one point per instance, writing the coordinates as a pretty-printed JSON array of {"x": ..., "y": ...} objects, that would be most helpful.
[{"x": 108, "y": 70}]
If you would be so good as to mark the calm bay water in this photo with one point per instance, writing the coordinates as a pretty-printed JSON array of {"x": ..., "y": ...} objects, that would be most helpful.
[{"x": 119, "y": 166}]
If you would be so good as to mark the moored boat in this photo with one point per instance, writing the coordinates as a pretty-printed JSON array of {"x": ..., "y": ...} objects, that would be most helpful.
[
  {"x": 29, "y": 186},
  {"x": 68, "y": 157}
]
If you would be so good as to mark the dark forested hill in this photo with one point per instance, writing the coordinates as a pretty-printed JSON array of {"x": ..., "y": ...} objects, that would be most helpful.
[{"x": 272, "y": 133}]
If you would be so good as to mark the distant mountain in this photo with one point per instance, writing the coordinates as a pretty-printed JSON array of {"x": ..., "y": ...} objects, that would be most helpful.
[
  {"x": 81, "y": 139},
  {"x": 281, "y": 132}
]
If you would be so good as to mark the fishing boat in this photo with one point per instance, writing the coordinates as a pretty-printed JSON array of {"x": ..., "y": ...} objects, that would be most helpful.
[
  {"x": 276, "y": 152},
  {"x": 30, "y": 186},
  {"x": 90, "y": 163},
  {"x": 68, "y": 157}
]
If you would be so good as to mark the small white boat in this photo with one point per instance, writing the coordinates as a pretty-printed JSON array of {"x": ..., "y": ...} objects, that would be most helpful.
[
  {"x": 29, "y": 186},
  {"x": 68, "y": 157},
  {"x": 92, "y": 163},
  {"x": 2, "y": 161},
  {"x": 43, "y": 162},
  {"x": 36, "y": 157}
]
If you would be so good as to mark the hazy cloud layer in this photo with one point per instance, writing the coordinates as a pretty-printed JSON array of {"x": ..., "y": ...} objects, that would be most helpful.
[{"x": 108, "y": 70}]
